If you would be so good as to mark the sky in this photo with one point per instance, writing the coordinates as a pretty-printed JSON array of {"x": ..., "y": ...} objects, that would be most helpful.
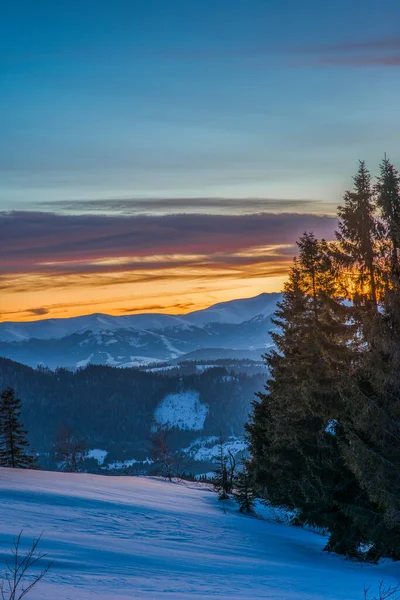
[{"x": 165, "y": 155}]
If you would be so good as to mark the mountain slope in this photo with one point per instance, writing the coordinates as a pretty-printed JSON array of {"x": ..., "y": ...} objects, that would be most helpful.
[{"x": 114, "y": 538}]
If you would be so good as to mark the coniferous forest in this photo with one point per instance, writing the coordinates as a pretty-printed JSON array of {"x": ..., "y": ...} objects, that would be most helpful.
[
  {"x": 325, "y": 435},
  {"x": 114, "y": 408}
]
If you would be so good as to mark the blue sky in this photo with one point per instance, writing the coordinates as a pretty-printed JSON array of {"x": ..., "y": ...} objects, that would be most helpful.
[
  {"x": 176, "y": 99},
  {"x": 170, "y": 152}
]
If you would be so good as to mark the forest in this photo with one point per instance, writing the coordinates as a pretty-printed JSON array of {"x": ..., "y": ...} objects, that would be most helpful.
[
  {"x": 113, "y": 408},
  {"x": 324, "y": 436}
]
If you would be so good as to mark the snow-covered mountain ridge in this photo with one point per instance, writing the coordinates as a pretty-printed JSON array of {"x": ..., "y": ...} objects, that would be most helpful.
[
  {"x": 239, "y": 329},
  {"x": 233, "y": 312}
]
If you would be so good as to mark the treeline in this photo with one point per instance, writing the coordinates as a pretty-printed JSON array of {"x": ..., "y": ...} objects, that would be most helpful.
[
  {"x": 114, "y": 408},
  {"x": 325, "y": 436}
]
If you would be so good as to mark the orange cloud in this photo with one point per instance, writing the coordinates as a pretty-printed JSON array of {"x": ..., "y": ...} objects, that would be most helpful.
[{"x": 59, "y": 265}]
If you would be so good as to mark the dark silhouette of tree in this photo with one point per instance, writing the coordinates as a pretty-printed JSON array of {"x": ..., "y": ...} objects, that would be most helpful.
[
  {"x": 14, "y": 446},
  {"x": 325, "y": 436},
  {"x": 388, "y": 200},
  {"x": 358, "y": 233},
  {"x": 222, "y": 480},
  {"x": 162, "y": 454},
  {"x": 70, "y": 450},
  {"x": 295, "y": 457},
  {"x": 244, "y": 492}
]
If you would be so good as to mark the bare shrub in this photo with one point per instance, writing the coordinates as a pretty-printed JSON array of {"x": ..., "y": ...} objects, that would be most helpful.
[
  {"x": 384, "y": 593},
  {"x": 70, "y": 450},
  {"x": 17, "y": 579}
]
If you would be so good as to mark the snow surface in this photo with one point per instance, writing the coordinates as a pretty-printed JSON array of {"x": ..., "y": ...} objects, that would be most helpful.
[
  {"x": 84, "y": 363},
  {"x": 183, "y": 410},
  {"x": 98, "y": 454},
  {"x": 202, "y": 368},
  {"x": 119, "y": 465},
  {"x": 120, "y": 538},
  {"x": 175, "y": 352},
  {"x": 236, "y": 311},
  {"x": 160, "y": 369},
  {"x": 208, "y": 448}
]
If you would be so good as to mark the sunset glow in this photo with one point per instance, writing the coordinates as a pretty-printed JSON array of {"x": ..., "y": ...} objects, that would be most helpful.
[
  {"x": 60, "y": 280},
  {"x": 158, "y": 159}
]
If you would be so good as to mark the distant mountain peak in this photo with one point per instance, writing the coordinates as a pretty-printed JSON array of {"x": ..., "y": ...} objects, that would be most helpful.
[
  {"x": 232, "y": 328},
  {"x": 232, "y": 311}
]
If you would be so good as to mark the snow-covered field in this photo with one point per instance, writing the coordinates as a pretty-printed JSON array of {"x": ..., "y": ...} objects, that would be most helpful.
[
  {"x": 183, "y": 410},
  {"x": 208, "y": 448},
  {"x": 129, "y": 537}
]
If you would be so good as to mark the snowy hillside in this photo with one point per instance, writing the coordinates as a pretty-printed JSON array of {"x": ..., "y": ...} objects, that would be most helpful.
[
  {"x": 183, "y": 410},
  {"x": 237, "y": 329},
  {"x": 119, "y": 538},
  {"x": 236, "y": 311}
]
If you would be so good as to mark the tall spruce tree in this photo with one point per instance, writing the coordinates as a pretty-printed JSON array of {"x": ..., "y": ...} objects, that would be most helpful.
[
  {"x": 14, "y": 447},
  {"x": 370, "y": 419},
  {"x": 372, "y": 429},
  {"x": 325, "y": 438},
  {"x": 295, "y": 432},
  {"x": 388, "y": 200},
  {"x": 358, "y": 232}
]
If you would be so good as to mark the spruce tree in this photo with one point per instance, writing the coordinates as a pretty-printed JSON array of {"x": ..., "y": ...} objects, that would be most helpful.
[
  {"x": 244, "y": 493},
  {"x": 222, "y": 480},
  {"x": 372, "y": 425},
  {"x": 358, "y": 233},
  {"x": 370, "y": 418},
  {"x": 14, "y": 447},
  {"x": 295, "y": 433},
  {"x": 388, "y": 200},
  {"x": 325, "y": 437}
]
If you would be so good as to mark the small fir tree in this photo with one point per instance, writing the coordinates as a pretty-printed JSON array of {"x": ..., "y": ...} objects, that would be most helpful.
[
  {"x": 14, "y": 446},
  {"x": 244, "y": 493},
  {"x": 222, "y": 481}
]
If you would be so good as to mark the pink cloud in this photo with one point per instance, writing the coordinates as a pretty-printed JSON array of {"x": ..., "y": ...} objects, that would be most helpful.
[{"x": 45, "y": 242}]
